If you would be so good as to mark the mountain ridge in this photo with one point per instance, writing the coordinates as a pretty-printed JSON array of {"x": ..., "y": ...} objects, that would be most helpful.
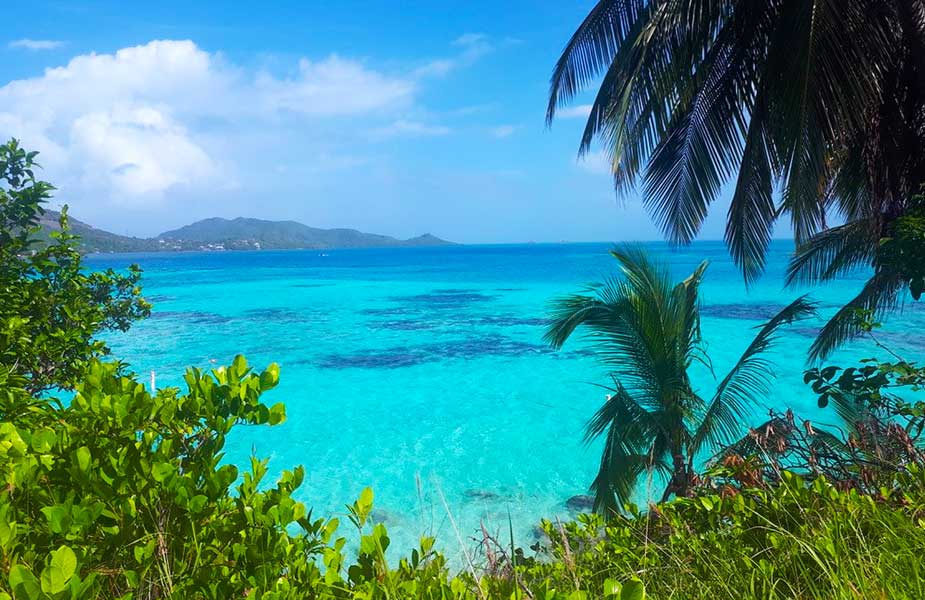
[{"x": 240, "y": 233}]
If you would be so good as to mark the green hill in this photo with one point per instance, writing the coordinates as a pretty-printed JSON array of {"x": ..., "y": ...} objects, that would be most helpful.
[
  {"x": 234, "y": 234},
  {"x": 96, "y": 240},
  {"x": 258, "y": 233}
]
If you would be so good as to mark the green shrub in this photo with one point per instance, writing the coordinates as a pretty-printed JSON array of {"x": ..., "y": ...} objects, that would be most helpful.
[
  {"x": 123, "y": 494},
  {"x": 51, "y": 309}
]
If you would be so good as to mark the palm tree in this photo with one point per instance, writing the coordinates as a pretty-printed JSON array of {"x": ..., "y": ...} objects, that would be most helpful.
[
  {"x": 647, "y": 331},
  {"x": 822, "y": 100}
]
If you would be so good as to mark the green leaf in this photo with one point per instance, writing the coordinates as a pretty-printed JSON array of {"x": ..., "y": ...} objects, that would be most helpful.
[
  {"x": 58, "y": 572},
  {"x": 24, "y": 583},
  {"x": 366, "y": 498},
  {"x": 633, "y": 590},
  {"x": 239, "y": 365},
  {"x": 277, "y": 413},
  {"x": 43, "y": 440},
  {"x": 59, "y": 518},
  {"x": 197, "y": 503},
  {"x": 161, "y": 471},
  {"x": 83, "y": 459},
  {"x": 270, "y": 377}
]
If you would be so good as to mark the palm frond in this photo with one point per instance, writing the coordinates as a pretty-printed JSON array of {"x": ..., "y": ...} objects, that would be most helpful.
[
  {"x": 751, "y": 215},
  {"x": 835, "y": 251},
  {"x": 702, "y": 144},
  {"x": 749, "y": 381},
  {"x": 629, "y": 427},
  {"x": 878, "y": 294},
  {"x": 591, "y": 49}
]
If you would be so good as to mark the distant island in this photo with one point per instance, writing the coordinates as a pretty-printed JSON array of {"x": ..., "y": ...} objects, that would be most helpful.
[{"x": 233, "y": 234}]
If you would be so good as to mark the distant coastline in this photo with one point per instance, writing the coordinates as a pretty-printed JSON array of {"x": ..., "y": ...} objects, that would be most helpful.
[{"x": 217, "y": 234}]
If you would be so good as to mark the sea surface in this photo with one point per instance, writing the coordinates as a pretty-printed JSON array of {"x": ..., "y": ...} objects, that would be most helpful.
[{"x": 422, "y": 372}]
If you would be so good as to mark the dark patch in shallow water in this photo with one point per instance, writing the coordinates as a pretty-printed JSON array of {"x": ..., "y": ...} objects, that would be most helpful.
[
  {"x": 282, "y": 315},
  {"x": 386, "y": 312},
  {"x": 311, "y": 285},
  {"x": 581, "y": 353},
  {"x": 444, "y": 298},
  {"x": 392, "y": 358},
  {"x": 509, "y": 321},
  {"x": 808, "y": 332},
  {"x": 404, "y": 325},
  {"x": 489, "y": 320},
  {"x": 912, "y": 340},
  {"x": 404, "y": 356},
  {"x": 192, "y": 316},
  {"x": 481, "y": 495},
  {"x": 742, "y": 311},
  {"x": 580, "y": 503}
]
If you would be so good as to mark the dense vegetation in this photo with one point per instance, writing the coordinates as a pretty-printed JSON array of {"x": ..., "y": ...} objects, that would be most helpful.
[{"x": 112, "y": 491}]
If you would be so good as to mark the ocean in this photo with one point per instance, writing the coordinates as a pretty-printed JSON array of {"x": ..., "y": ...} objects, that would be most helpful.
[{"x": 421, "y": 372}]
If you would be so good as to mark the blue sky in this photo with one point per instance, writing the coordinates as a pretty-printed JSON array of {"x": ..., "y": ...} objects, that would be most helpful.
[{"x": 395, "y": 118}]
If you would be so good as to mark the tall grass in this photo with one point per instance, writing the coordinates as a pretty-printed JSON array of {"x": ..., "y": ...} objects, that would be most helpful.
[{"x": 797, "y": 541}]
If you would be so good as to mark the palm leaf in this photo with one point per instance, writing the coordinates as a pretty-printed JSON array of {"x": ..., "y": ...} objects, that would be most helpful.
[
  {"x": 591, "y": 49},
  {"x": 878, "y": 294},
  {"x": 748, "y": 383},
  {"x": 629, "y": 428},
  {"x": 834, "y": 252}
]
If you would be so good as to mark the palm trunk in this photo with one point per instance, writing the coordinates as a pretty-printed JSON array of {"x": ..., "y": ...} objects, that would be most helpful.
[{"x": 679, "y": 484}]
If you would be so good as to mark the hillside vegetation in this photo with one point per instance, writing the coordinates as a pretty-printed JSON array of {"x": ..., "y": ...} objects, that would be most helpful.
[{"x": 232, "y": 234}]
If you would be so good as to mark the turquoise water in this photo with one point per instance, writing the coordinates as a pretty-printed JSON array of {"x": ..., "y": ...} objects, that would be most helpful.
[{"x": 422, "y": 373}]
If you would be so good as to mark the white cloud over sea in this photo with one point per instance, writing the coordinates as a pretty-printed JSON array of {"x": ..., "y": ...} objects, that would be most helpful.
[{"x": 168, "y": 115}]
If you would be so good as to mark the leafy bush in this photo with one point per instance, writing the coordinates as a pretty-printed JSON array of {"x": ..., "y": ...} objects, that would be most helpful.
[
  {"x": 123, "y": 494},
  {"x": 51, "y": 309}
]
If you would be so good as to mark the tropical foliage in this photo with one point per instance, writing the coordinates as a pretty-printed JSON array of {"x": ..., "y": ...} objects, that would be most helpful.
[
  {"x": 647, "y": 331},
  {"x": 51, "y": 310},
  {"x": 795, "y": 540},
  {"x": 111, "y": 490},
  {"x": 824, "y": 101},
  {"x": 881, "y": 422}
]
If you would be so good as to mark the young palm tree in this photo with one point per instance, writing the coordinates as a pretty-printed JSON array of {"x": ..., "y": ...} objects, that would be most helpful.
[
  {"x": 647, "y": 330},
  {"x": 823, "y": 100}
]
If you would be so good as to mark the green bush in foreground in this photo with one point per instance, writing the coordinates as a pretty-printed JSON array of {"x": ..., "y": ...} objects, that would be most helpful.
[{"x": 122, "y": 494}]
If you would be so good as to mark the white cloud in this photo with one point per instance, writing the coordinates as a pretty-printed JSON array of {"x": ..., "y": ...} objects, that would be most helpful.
[
  {"x": 144, "y": 120},
  {"x": 436, "y": 68},
  {"x": 140, "y": 150},
  {"x": 580, "y": 111},
  {"x": 472, "y": 47},
  {"x": 334, "y": 87},
  {"x": 503, "y": 131},
  {"x": 597, "y": 163},
  {"x": 27, "y": 44},
  {"x": 409, "y": 128}
]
